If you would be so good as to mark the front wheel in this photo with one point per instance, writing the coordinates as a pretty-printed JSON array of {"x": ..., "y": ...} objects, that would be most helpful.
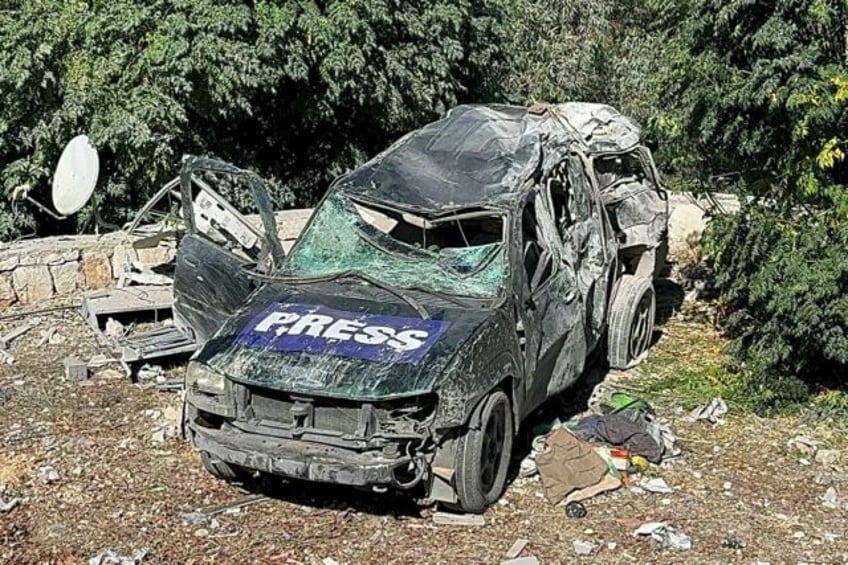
[
  {"x": 483, "y": 455},
  {"x": 631, "y": 323}
]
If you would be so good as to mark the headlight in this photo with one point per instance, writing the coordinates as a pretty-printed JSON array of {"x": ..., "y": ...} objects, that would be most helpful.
[{"x": 203, "y": 378}]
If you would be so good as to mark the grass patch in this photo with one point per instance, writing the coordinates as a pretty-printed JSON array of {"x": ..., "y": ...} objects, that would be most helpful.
[{"x": 689, "y": 365}]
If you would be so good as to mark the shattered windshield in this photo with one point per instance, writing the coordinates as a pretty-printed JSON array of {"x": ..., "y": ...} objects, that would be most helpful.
[{"x": 462, "y": 256}]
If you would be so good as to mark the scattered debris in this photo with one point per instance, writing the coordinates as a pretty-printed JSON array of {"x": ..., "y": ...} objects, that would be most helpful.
[
  {"x": 831, "y": 499},
  {"x": 114, "y": 329},
  {"x": 171, "y": 384},
  {"x": 517, "y": 548},
  {"x": 7, "y": 338},
  {"x": 9, "y": 506},
  {"x": 450, "y": 519},
  {"x": 6, "y": 357},
  {"x": 48, "y": 474},
  {"x": 582, "y": 547},
  {"x": 712, "y": 412},
  {"x": 75, "y": 370},
  {"x": 5, "y": 396},
  {"x": 228, "y": 506},
  {"x": 194, "y": 518},
  {"x": 568, "y": 464},
  {"x": 149, "y": 372},
  {"x": 656, "y": 485},
  {"x": 664, "y": 536},
  {"x": 109, "y": 557},
  {"x": 56, "y": 338},
  {"x": 575, "y": 510},
  {"x": 732, "y": 543}
]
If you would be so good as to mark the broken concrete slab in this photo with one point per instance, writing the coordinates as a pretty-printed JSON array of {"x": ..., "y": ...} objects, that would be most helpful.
[
  {"x": 517, "y": 548},
  {"x": 451, "y": 519}
]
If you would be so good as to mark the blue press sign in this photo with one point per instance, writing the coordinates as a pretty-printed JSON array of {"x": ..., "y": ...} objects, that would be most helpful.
[{"x": 317, "y": 329}]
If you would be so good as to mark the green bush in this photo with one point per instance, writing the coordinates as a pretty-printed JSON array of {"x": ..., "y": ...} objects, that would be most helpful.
[
  {"x": 786, "y": 277},
  {"x": 298, "y": 91}
]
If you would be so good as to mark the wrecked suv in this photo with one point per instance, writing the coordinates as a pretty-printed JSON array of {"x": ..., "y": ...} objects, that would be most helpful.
[{"x": 438, "y": 295}]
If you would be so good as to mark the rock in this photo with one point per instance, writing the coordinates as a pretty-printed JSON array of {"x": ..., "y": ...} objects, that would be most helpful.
[
  {"x": 804, "y": 444},
  {"x": 122, "y": 258},
  {"x": 7, "y": 292},
  {"x": 32, "y": 284},
  {"x": 96, "y": 270},
  {"x": 582, "y": 547},
  {"x": 201, "y": 533},
  {"x": 159, "y": 255},
  {"x": 828, "y": 457},
  {"x": 50, "y": 257},
  {"x": 66, "y": 277},
  {"x": 158, "y": 437},
  {"x": 831, "y": 499},
  {"x": 727, "y": 485},
  {"x": 75, "y": 370},
  {"x": 48, "y": 474},
  {"x": 56, "y": 529},
  {"x": 9, "y": 261},
  {"x": 113, "y": 329}
]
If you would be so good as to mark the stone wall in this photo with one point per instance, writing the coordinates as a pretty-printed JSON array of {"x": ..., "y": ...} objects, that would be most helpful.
[
  {"x": 33, "y": 270},
  {"x": 37, "y": 269}
]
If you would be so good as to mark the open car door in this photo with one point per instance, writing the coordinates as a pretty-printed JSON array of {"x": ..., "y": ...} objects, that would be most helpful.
[{"x": 211, "y": 281}]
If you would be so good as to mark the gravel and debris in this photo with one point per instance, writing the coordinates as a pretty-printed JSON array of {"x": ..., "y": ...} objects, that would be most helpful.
[{"x": 99, "y": 472}]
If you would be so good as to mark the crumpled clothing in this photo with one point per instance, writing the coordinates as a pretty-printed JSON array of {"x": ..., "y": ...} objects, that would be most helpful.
[
  {"x": 620, "y": 430},
  {"x": 567, "y": 465}
]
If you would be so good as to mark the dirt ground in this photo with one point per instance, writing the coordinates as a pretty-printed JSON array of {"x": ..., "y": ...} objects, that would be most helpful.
[{"x": 96, "y": 466}]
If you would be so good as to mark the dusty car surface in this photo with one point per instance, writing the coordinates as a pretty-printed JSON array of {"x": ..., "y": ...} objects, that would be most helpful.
[{"x": 439, "y": 294}]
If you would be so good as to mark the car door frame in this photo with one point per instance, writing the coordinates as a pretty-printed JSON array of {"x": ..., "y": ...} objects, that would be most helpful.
[{"x": 550, "y": 314}]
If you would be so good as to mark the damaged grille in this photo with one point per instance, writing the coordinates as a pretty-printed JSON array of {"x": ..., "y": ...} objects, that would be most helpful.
[{"x": 401, "y": 417}]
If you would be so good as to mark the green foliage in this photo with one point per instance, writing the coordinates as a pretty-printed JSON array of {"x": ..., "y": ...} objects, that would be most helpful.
[
  {"x": 755, "y": 89},
  {"x": 787, "y": 279},
  {"x": 760, "y": 89},
  {"x": 297, "y": 90},
  {"x": 605, "y": 51}
]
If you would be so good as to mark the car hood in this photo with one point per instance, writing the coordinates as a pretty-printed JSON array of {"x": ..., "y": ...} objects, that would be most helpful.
[{"x": 346, "y": 341}]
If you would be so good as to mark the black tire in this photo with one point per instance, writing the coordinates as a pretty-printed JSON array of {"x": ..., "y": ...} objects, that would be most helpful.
[
  {"x": 483, "y": 455},
  {"x": 631, "y": 321},
  {"x": 223, "y": 470}
]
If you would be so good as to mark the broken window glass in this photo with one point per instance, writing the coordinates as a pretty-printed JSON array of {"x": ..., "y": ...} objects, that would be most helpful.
[{"x": 463, "y": 254}]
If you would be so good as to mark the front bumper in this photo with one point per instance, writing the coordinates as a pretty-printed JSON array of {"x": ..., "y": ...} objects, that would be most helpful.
[{"x": 307, "y": 460}]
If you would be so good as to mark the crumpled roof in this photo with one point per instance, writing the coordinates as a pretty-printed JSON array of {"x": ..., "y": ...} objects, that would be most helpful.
[
  {"x": 602, "y": 127},
  {"x": 475, "y": 155},
  {"x": 480, "y": 155}
]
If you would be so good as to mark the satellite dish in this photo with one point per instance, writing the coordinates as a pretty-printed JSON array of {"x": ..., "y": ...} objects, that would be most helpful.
[{"x": 75, "y": 176}]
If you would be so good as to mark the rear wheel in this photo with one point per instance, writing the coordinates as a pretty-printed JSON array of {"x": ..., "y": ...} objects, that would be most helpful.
[
  {"x": 631, "y": 324},
  {"x": 483, "y": 455},
  {"x": 222, "y": 469}
]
